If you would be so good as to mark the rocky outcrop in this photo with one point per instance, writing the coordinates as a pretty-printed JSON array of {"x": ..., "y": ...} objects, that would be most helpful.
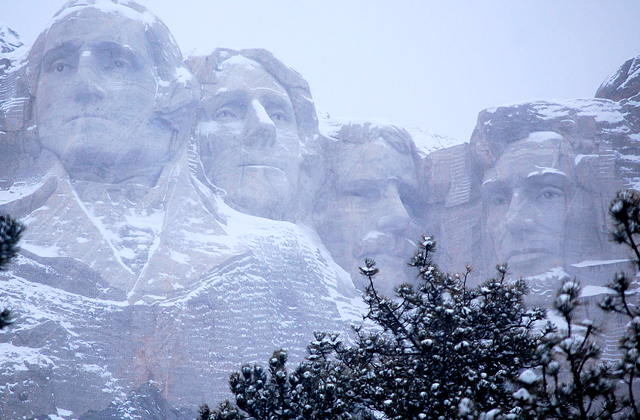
[
  {"x": 134, "y": 268},
  {"x": 623, "y": 84}
]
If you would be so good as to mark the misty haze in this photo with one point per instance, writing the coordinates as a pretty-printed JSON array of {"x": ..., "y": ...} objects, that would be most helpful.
[{"x": 190, "y": 212}]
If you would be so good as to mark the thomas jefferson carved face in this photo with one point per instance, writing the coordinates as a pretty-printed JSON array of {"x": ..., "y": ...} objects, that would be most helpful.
[
  {"x": 526, "y": 197},
  {"x": 249, "y": 142},
  {"x": 371, "y": 214},
  {"x": 95, "y": 98}
]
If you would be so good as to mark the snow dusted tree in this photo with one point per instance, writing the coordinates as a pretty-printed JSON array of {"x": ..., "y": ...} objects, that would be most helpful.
[
  {"x": 625, "y": 214},
  {"x": 573, "y": 382},
  {"x": 10, "y": 233},
  {"x": 315, "y": 390},
  {"x": 443, "y": 350}
]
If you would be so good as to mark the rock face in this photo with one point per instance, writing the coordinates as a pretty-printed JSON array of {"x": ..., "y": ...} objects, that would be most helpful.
[
  {"x": 539, "y": 182},
  {"x": 371, "y": 201},
  {"x": 134, "y": 268},
  {"x": 256, "y": 119},
  {"x": 180, "y": 225},
  {"x": 545, "y": 173},
  {"x": 623, "y": 84}
]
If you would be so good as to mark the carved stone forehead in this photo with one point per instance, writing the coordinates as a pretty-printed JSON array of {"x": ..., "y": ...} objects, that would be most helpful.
[
  {"x": 375, "y": 160},
  {"x": 540, "y": 151},
  {"x": 94, "y": 26},
  {"x": 241, "y": 73},
  {"x": 125, "y": 8}
]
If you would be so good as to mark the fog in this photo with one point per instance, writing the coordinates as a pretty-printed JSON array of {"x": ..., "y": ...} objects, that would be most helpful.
[{"x": 432, "y": 65}]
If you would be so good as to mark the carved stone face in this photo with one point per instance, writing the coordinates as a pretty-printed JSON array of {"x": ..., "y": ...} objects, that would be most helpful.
[
  {"x": 95, "y": 97},
  {"x": 526, "y": 197},
  {"x": 371, "y": 214},
  {"x": 249, "y": 142}
]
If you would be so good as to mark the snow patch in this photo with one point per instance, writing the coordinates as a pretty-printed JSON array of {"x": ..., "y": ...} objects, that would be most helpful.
[
  {"x": 240, "y": 61},
  {"x": 542, "y": 136},
  {"x": 106, "y": 6},
  {"x": 593, "y": 263}
]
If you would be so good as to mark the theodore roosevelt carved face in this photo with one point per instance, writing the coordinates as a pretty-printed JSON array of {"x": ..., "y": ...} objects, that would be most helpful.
[{"x": 371, "y": 212}]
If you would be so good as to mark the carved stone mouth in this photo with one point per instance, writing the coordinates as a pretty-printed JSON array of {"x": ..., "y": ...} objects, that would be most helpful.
[
  {"x": 94, "y": 116},
  {"x": 260, "y": 165},
  {"x": 527, "y": 252}
]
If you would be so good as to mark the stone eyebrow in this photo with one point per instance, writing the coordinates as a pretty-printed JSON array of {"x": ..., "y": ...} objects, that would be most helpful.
[
  {"x": 229, "y": 96},
  {"x": 117, "y": 50},
  {"x": 552, "y": 177},
  {"x": 63, "y": 50},
  {"x": 275, "y": 100}
]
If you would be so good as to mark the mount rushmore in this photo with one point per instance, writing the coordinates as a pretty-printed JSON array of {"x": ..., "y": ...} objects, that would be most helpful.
[{"x": 187, "y": 215}]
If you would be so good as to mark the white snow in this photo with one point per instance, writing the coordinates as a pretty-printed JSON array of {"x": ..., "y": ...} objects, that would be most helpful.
[
  {"x": 261, "y": 113},
  {"x": 528, "y": 376},
  {"x": 546, "y": 170},
  {"x": 42, "y": 251},
  {"x": 106, "y": 6},
  {"x": 579, "y": 158},
  {"x": 19, "y": 190},
  {"x": 542, "y": 136},
  {"x": 183, "y": 74},
  {"x": 595, "y": 291},
  {"x": 427, "y": 142},
  {"x": 241, "y": 61},
  {"x": 593, "y": 263}
]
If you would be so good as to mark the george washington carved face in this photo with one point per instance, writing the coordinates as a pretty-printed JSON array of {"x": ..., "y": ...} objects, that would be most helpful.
[{"x": 95, "y": 98}]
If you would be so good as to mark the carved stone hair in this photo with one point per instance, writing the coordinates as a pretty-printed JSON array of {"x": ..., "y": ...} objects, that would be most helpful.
[
  {"x": 204, "y": 68},
  {"x": 176, "y": 94}
]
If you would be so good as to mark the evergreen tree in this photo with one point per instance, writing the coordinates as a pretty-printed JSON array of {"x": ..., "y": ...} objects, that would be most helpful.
[
  {"x": 315, "y": 390},
  {"x": 625, "y": 213},
  {"x": 10, "y": 232},
  {"x": 573, "y": 382},
  {"x": 443, "y": 350}
]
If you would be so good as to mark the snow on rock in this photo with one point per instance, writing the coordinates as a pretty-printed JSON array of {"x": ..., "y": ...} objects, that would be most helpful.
[
  {"x": 10, "y": 44},
  {"x": 528, "y": 377}
]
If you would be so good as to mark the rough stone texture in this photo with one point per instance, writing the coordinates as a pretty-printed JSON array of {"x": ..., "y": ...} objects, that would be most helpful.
[
  {"x": 134, "y": 268},
  {"x": 145, "y": 403},
  {"x": 623, "y": 84},
  {"x": 255, "y": 129},
  {"x": 539, "y": 179},
  {"x": 372, "y": 201},
  {"x": 170, "y": 245},
  {"x": 587, "y": 145}
]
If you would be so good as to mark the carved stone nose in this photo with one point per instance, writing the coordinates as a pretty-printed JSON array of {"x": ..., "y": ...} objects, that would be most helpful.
[
  {"x": 88, "y": 87},
  {"x": 518, "y": 215},
  {"x": 395, "y": 217},
  {"x": 260, "y": 129}
]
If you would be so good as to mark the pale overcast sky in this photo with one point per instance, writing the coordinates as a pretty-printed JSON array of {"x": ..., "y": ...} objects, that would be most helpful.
[{"x": 427, "y": 64}]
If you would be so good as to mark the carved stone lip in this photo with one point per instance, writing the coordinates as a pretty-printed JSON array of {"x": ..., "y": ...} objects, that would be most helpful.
[
  {"x": 77, "y": 117},
  {"x": 259, "y": 165},
  {"x": 532, "y": 252}
]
